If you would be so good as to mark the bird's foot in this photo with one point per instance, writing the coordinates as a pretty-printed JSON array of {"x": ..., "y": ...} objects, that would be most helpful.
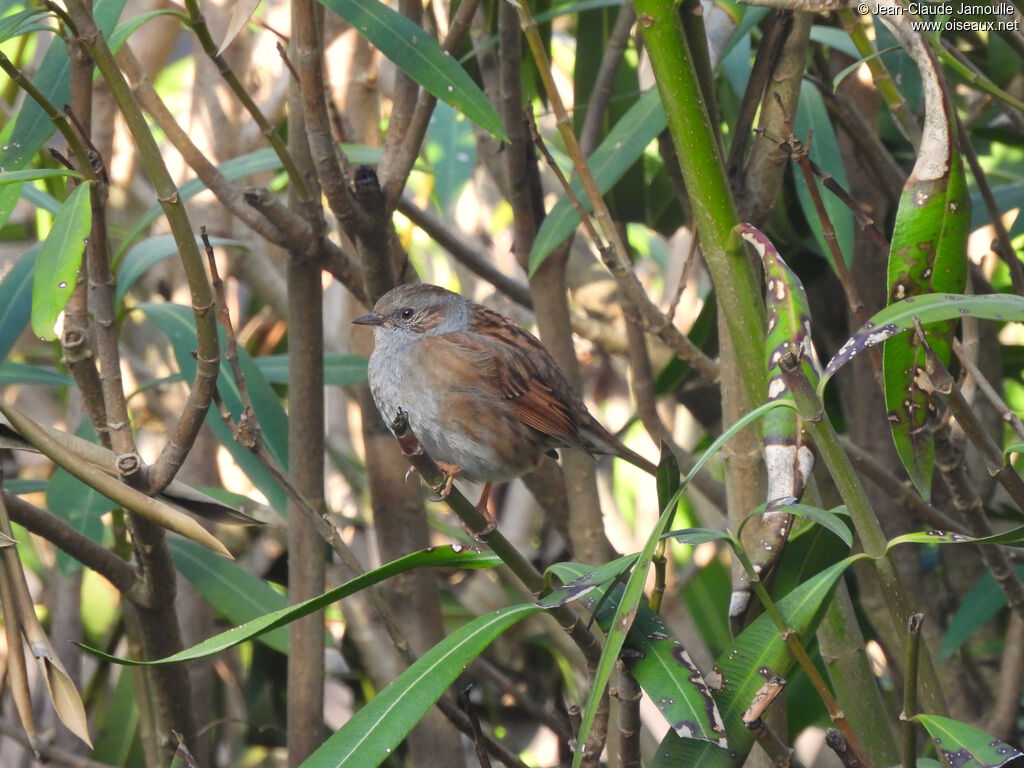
[
  {"x": 484, "y": 510},
  {"x": 444, "y": 488}
]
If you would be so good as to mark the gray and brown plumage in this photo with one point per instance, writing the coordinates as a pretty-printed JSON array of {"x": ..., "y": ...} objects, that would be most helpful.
[{"x": 482, "y": 395}]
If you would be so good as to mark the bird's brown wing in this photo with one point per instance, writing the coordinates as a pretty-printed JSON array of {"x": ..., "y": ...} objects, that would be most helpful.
[{"x": 521, "y": 372}]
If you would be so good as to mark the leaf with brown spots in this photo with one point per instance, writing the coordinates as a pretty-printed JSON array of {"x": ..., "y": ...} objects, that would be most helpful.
[{"x": 964, "y": 746}]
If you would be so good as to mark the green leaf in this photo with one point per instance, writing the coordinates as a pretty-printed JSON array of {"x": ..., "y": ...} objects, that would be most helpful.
[
  {"x": 117, "y": 728},
  {"x": 448, "y": 557},
  {"x": 828, "y": 519},
  {"x": 126, "y": 29},
  {"x": 177, "y": 324},
  {"x": 1013, "y": 448},
  {"x": 339, "y": 370},
  {"x": 40, "y": 199},
  {"x": 16, "y": 299},
  {"x": 623, "y": 145},
  {"x": 229, "y": 588},
  {"x": 1013, "y": 537},
  {"x": 979, "y": 605},
  {"x": 695, "y": 536},
  {"x": 32, "y": 174},
  {"x": 931, "y": 308},
  {"x": 451, "y": 150},
  {"x": 660, "y": 665},
  {"x": 22, "y": 23},
  {"x": 141, "y": 256},
  {"x": 81, "y": 507},
  {"x": 420, "y": 57},
  {"x": 18, "y": 373},
  {"x": 928, "y": 255},
  {"x": 9, "y": 196},
  {"x": 757, "y": 652},
  {"x": 376, "y": 729},
  {"x": 59, "y": 261},
  {"x": 965, "y": 746}
]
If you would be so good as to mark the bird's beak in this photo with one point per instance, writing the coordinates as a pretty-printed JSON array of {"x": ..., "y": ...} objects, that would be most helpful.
[{"x": 371, "y": 319}]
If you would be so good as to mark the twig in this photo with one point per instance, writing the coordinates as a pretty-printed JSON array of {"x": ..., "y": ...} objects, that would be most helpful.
[
  {"x": 53, "y": 755},
  {"x": 774, "y": 747},
  {"x": 483, "y": 530},
  {"x": 464, "y": 251},
  {"x": 913, "y": 653},
  {"x": 901, "y": 491},
  {"x": 945, "y": 387},
  {"x": 399, "y": 158},
  {"x": 837, "y": 743},
  {"x": 988, "y": 390},
  {"x": 656, "y": 322},
  {"x": 643, "y": 390},
  {"x": 207, "y": 354},
  {"x": 604, "y": 80},
  {"x": 799, "y": 653},
  {"x": 100, "y": 559},
  {"x": 1002, "y": 245},
  {"x": 478, "y": 734},
  {"x": 197, "y": 22},
  {"x": 865, "y": 522},
  {"x": 1002, "y": 721}
]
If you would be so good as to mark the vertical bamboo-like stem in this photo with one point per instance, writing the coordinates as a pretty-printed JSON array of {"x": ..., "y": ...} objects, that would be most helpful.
[
  {"x": 703, "y": 170},
  {"x": 913, "y": 653},
  {"x": 306, "y": 554}
]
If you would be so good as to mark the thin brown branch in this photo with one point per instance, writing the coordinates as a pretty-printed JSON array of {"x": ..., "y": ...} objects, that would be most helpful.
[
  {"x": 901, "y": 491},
  {"x": 654, "y": 320},
  {"x": 48, "y": 526},
  {"x": 988, "y": 390},
  {"x": 399, "y": 158},
  {"x": 604, "y": 80},
  {"x": 464, "y": 251},
  {"x": 1002, "y": 245}
]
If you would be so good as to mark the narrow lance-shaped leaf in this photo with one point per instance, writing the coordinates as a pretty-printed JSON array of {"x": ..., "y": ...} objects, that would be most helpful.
[
  {"x": 377, "y": 728},
  {"x": 964, "y": 745},
  {"x": 929, "y": 309},
  {"x": 787, "y": 452},
  {"x": 661, "y": 665},
  {"x": 928, "y": 255},
  {"x": 420, "y": 57},
  {"x": 758, "y": 653},
  {"x": 59, "y": 261},
  {"x": 617, "y": 153}
]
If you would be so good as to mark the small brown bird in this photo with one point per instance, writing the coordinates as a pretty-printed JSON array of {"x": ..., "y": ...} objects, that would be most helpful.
[{"x": 484, "y": 398}]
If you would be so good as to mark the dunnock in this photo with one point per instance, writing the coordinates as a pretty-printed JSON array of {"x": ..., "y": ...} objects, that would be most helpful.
[{"x": 484, "y": 398}]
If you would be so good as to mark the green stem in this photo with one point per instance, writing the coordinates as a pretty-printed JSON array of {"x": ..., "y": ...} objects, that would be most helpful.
[
  {"x": 880, "y": 75},
  {"x": 703, "y": 170},
  {"x": 59, "y": 118},
  {"x": 910, "y": 690},
  {"x": 796, "y": 648},
  {"x": 865, "y": 522}
]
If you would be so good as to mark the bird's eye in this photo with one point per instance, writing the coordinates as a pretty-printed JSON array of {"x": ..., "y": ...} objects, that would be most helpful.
[{"x": 407, "y": 313}]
